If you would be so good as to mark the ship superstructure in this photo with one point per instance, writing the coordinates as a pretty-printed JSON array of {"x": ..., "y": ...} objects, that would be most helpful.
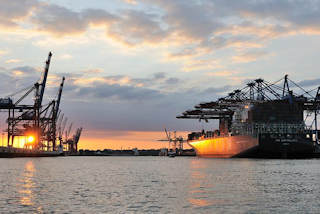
[{"x": 267, "y": 118}]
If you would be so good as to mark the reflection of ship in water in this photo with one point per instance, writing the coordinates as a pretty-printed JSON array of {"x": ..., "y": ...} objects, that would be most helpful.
[
  {"x": 200, "y": 184},
  {"x": 261, "y": 120}
]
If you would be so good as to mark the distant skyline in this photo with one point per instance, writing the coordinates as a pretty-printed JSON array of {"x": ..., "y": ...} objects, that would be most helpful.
[{"x": 132, "y": 65}]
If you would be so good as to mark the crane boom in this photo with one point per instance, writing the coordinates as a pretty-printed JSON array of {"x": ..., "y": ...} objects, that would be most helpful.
[
  {"x": 44, "y": 80},
  {"x": 68, "y": 131},
  {"x": 59, "y": 96},
  {"x": 77, "y": 135},
  {"x": 59, "y": 123},
  {"x": 64, "y": 123}
]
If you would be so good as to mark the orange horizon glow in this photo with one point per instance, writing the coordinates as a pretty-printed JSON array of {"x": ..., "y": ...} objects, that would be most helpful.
[
  {"x": 94, "y": 140},
  {"x": 100, "y": 140}
]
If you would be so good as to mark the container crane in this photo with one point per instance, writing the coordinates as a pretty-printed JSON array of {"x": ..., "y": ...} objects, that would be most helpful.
[
  {"x": 73, "y": 144},
  {"x": 55, "y": 112},
  {"x": 37, "y": 120},
  {"x": 176, "y": 141}
]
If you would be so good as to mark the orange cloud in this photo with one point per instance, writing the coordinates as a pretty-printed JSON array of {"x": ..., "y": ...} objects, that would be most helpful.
[
  {"x": 123, "y": 80},
  {"x": 250, "y": 56},
  {"x": 131, "y": 1},
  {"x": 12, "y": 61},
  {"x": 201, "y": 64},
  {"x": 2, "y": 52},
  {"x": 66, "y": 56},
  {"x": 225, "y": 73}
]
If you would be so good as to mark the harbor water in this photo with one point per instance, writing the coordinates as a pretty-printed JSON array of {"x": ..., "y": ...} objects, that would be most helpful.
[{"x": 158, "y": 185}]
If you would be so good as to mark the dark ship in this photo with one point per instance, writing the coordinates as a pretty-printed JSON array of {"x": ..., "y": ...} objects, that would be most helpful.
[{"x": 263, "y": 119}]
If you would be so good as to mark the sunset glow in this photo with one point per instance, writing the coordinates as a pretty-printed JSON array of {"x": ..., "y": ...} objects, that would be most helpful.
[{"x": 129, "y": 140}]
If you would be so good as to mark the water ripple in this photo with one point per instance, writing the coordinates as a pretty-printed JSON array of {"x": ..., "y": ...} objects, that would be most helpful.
[{"x": 158, "y": 185}]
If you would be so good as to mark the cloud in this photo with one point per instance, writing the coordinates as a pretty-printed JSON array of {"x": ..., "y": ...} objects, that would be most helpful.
[
  {"x": 131, "y": 1},
  {"x": 24, "y": 71},
  {"x": 202, "y": 22},
  {"x": 137, "y": 27},
  {"x": 190, "y": 19},
  {"x": 12, "y": 61},
  {"x": 159, "y": 75},
  {"x": 60, "y": 21},
  {"x": 12, "y": 12},
  {"x": 201, "y": 64},
  {"x": 216, "y": 90},
  {"x": 17, "y": 78},
  {"x": 172, "y": 81},
  {"x": 111, "y": 80},
  {"x": 223, "y": 73},
  {"x": 186, "y": 30},
  {"x": 309, "y": 83},
  {"x": 66, "y": 56},
  {"x": 117, "y": 92},
  {"x": 130, "y": 27},
  {"x": 250, "y": 56},
  {"x": 121, "y": 87},
  {"x": 93, "y": 71},
  {"x": 2, "y": 52}
]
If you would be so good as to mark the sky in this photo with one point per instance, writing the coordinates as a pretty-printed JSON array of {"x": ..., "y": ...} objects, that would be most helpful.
[{"x": 131, "y": 66}]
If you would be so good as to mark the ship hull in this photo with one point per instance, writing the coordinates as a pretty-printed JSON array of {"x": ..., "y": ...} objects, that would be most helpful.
[
  {"x": 297, "y": 147},
  {"x": 250, "y": 147},
  {"x": 224, "y": 147}
]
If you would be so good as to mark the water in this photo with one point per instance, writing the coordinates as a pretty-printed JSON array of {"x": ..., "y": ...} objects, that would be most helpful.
[{"x": 158, "y": 184}]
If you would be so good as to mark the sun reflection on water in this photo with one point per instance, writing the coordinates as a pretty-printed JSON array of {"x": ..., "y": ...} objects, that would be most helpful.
[{"x": 26, "y": 191}]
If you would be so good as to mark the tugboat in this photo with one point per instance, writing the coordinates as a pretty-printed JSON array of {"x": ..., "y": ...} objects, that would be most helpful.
[{"x": 261, "y": 120}]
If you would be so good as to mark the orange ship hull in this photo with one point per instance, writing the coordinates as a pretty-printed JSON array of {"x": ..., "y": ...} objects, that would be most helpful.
[{"x": 224, "y": 147}]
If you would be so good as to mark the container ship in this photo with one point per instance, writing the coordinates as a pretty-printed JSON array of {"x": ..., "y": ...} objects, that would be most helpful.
[{"x": 263, "y": 119}]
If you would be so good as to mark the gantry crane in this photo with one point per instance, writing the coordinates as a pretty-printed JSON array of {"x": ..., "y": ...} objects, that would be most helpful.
[{"x": 36, "y": 122}]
